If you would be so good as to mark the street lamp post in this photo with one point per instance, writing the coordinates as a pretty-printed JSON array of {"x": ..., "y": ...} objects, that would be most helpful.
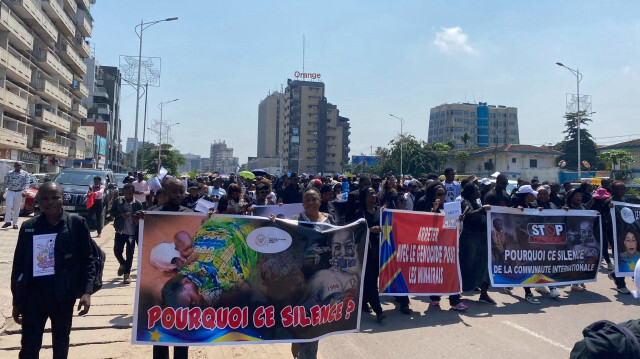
[
  {"x": 578, "y": 76},
  {"x": 401, "y": 140},
  {"x": 143, "y": 25},
  {"x": 161, "y": 106}
]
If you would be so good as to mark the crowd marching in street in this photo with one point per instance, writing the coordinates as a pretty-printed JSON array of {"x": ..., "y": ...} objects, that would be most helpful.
[{"x": 331, "y": 199}]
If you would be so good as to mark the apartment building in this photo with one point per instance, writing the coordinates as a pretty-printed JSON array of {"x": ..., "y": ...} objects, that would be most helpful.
[
  {"x": 487, "y": 125},
  {"x": 300, "y": 130},
  {"x": 42, "y": 46},
  {"x": 221, "y": 157},
  {"x": 103, "y": 104}
]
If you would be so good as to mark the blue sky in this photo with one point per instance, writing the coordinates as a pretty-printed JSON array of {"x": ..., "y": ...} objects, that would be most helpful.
[{"x": 378, "y": 57}]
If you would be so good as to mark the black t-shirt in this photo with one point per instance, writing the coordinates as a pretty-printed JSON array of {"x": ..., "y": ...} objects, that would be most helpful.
[{"x": 497, "y": 198}]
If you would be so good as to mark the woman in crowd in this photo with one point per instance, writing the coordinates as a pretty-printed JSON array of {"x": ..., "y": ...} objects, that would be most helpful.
[
  {"x": 370, "y": 211},
  {"x": 232, "y": 202},
  {"x": 575, "y": 201},
  {"x": 601, "y": 201},
  {"x": 327, "y": 195},
  {"x": 473, "y": 255},
  {"x": 263, "y": 190},
  {"x": 97, "y": 191},
  {"x": 311, "y": 205},
  {"x": 434, "y": 202},
  {"x": 525, "y": 197},
  {"x": 389, "y": 189}
]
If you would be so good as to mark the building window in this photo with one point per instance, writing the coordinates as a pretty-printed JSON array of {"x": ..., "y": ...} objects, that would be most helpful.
[
  {"x": 533, "y": 163},
  {"x": 513, "y": 160}
]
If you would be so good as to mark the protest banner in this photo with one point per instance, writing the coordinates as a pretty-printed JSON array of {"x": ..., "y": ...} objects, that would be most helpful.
[
  {"x": 540, "y": 248},
  {"x": 245, "y": 279},
  {"x": 283, "y": 212},
  {"x": 626, "y": 231},
  {"x": 418, "y": 254}
]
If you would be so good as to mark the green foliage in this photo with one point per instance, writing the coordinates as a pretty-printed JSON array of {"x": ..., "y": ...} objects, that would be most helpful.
[
  {"x": 569, "y": 146},
  {"x": 465, "y": 138},
  {"x": 462, "y": 158},
  {"x": 613, "y": 158},
  {"x": 418, "y": 158},
  {"x": 193, "y": 174},
  {"x": 170, "y": 159}
]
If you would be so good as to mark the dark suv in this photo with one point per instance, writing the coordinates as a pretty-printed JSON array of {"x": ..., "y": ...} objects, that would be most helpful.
[{"x": 75, "y": 185}]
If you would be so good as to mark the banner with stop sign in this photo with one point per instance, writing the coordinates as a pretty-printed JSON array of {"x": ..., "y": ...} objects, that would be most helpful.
[{"x": 538, "y": 248}]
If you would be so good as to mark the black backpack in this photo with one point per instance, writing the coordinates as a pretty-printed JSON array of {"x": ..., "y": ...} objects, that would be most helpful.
[{"x": 99, "y": 257}]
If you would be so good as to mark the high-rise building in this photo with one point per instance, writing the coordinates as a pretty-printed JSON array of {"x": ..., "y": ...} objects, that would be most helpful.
[
  {"x": 42, "y": 44},
  {"x": 302, "y": 130},
  {"x": 130, "y": 142},
  {"x": 192, "y": 163},
  {"x": 270, "y": 110},
  {"x": 487, "y": 125},
  {"x": 103, "y": 105},
  {"x": 222, "y": 159}
]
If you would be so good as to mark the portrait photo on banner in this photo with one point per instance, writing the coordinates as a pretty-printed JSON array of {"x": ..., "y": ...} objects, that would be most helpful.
[
  {"x": 227, "y": 279},
  {"x": 626, "y": 232}
]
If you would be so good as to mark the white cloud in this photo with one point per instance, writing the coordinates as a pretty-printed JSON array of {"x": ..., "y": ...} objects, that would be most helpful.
[
  {"x": 452, "y": 39},
  {"x": 627, "y": 70}
]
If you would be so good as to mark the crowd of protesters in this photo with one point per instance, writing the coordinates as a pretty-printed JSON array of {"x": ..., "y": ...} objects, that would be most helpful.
[{"x": 367, "y": 195}]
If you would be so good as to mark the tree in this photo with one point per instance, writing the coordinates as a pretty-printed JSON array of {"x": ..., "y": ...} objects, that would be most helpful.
[
  {"x": 170, "y": 160},
  {"x": 569, "y": 146},
  {"x": 462, "y": 158},
  {"x": 613, "y": 158},
  {"x": 465, "y": 138}
]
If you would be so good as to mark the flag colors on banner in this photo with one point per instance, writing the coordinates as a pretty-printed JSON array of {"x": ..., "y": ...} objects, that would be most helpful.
[
  {"x": 246, "y": 279},
  {"x": 418, "y": 254},
  {"x": 538, "y": 248},
  {"x": 626, "y": 232}
]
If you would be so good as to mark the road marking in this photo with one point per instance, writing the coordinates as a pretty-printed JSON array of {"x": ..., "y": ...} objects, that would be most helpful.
[{"x": 539, "y": 336}]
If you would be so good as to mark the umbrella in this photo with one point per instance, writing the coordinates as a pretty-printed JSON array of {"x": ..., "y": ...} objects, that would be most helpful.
[
  {"x": 260, "y": 172},
  {"x": 246, "y": 174}
]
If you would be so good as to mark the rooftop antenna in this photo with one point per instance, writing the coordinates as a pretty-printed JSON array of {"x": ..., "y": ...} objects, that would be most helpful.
[{"x": 302, "y": 53}]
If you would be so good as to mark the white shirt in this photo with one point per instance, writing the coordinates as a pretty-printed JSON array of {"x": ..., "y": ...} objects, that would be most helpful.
[{"x": 141, "y": 187}]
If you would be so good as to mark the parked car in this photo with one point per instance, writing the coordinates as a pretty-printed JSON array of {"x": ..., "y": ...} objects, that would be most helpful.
[
  {"x": 28, "y": 205},
  {"x": 120, "y": 179},
  {"x": 75, "y": 184}
]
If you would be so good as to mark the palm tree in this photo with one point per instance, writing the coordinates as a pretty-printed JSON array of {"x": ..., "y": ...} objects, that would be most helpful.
[{"x": 465, "y": 138}]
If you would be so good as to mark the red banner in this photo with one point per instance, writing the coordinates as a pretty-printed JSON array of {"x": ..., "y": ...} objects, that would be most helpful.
[{"x": 418, "y": 254}]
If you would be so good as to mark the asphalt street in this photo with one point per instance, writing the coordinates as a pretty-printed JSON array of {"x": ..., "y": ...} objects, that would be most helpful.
[{"x": 513, "y": 328}]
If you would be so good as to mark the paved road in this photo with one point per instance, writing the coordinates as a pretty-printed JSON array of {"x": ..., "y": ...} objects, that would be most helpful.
[{"x": 513, "y": 328}]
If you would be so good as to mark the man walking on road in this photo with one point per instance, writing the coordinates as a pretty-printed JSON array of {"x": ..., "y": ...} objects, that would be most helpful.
[
  {"x": 142, "y": 190},
  {"x": 17, "y": 183},
  {"x": 126, "y": 226},
  {"x": 60, "y": 245}
]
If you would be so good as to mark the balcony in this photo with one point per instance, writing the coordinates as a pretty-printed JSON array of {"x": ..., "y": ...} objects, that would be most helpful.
[
  {"x": 100, "y": 92},
  {"x": 13, "y": 103},
  {"x": 49, "y": 147},
  {"x": 31, "y": 13},
  {"x": 101, "y": 109},
  {"x": 83, "y": 24},
  {"x": 19, "y": 37},
  {"x": 17, "y": 71},
  {"x": 79, "y": 89},
  {"x": 84, "y": 3},
  {"x": 49, "y": 118},
  {"x": 68, "y": 54},
  {"x": 55, "y": 12},
  {"x": 51, "y": 92},
  {"x": 77, "y": 154},
  {"x": 82, "y": 132},
  {"x": 79, "y": 110},
  {"x": 82, "y": 47},
  {"x": 70, "y": 6},
  {"x": 13, "y": 139},
  {"x": 50, "y": 63}
]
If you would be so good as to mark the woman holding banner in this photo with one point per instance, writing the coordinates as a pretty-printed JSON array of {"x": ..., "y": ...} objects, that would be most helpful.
[
  {"x": 434, "y": 202},
  {"x": 370, "y": 211},
  {"x": 473, "y": 252},
  {"x": 311, "y": 205}
]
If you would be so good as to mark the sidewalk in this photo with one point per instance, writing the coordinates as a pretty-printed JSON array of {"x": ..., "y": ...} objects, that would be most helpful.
[{"x": 106, "y": 331}]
